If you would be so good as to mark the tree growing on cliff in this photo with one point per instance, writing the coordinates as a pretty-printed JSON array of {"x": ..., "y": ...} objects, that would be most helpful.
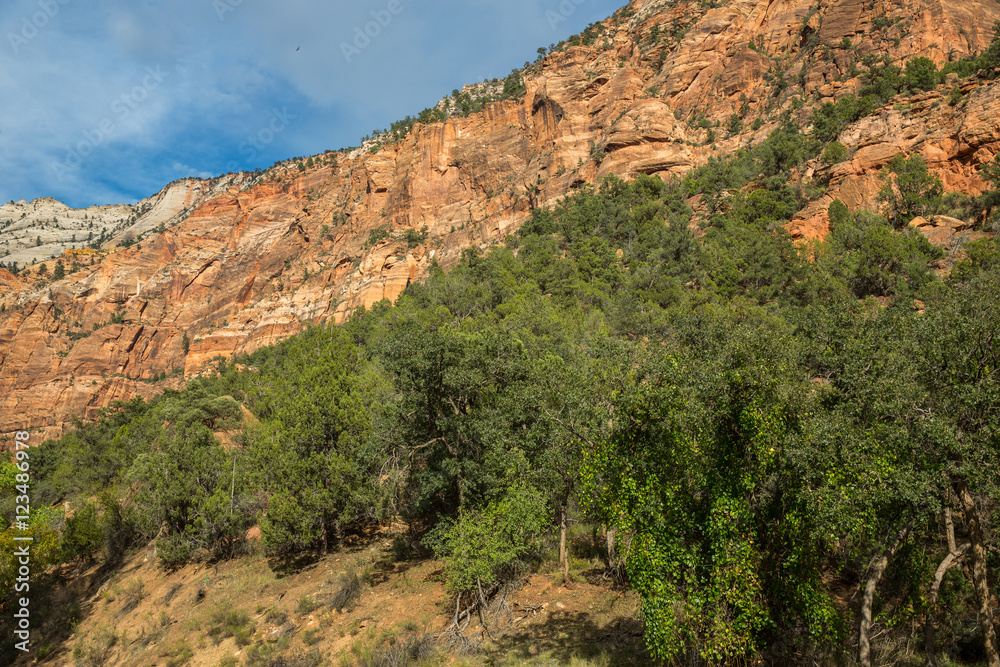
[{"x": 910, "y": 190}]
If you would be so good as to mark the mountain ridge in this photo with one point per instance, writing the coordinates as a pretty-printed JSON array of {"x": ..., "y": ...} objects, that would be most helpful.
[{"x": 224, "y": 266}]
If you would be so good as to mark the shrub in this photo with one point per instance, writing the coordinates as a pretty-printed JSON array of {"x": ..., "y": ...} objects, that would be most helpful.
[
  {"x": 228, "y": 622},
  {"x": 414, "y": 238},
  {"x": 839, "y": 213},
  {"x": 910, "y": 190},
  {"x": 306, "y": 604},
  {"x": 264, "y": 655},
  {"x": 482, "y": 547},
  {"x": 276, "y": 616},
  {"x": 349, "y": 592},
  {"x": 133, "y": 594},
  {"x": 95, "y": 652},
  {"x": 830, "y": 119},
  {"x": 377, "y": 235},
  {"x": 921, "y": 74},
  {"x": 83, "y": 536},
  {"x": 393, "y": 651},
  {"x": 882, "y": 78},
  {"x": 874, "y": 260},
  {"x": 513, "y": 86},
  {"x": 735, "y": 125},
  {"x": 835, "y": 153}
]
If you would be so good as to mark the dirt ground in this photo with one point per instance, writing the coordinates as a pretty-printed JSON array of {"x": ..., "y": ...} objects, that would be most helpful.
[{"x": 264, "y": 612}]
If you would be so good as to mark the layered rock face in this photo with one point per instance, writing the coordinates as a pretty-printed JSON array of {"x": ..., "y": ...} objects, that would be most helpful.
[
  {"x": 228, "y": 265},
  {"x": 40, "y": 230}
]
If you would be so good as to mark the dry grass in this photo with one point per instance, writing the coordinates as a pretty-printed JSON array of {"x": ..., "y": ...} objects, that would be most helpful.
[{"x": 360, "y": 605}]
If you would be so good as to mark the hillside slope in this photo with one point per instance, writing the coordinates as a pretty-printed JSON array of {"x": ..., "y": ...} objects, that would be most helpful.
[{"x": 249, "y": 259}]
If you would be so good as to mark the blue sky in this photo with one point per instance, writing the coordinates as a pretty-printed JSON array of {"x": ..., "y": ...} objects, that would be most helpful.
[{"x": 107, "y": 101}]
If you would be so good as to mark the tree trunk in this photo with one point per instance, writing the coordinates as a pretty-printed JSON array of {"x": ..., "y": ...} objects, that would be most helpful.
[
  {"x": 563, "y": 554},
  {"x": 949, "y": 560},
  {"x": 875, "y": 574},
  {"x": 979, "y": 582},
  {"x": 954, "y": 553}
]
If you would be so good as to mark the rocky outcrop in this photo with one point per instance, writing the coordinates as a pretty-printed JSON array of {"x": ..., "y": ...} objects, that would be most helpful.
[
  {"x": 954, "y": 137},
  {"x": 228, "y": 265}
]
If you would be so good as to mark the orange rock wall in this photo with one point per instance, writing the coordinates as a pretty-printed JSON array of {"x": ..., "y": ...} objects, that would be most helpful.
[{"x": 260, "y": 258}]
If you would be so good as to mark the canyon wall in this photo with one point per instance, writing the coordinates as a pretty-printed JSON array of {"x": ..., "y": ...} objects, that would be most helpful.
[{"x": 227, "y": 265}]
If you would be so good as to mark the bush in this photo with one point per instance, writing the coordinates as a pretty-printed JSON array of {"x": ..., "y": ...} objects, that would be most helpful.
[
  {"x": 874, "y": 260},
  {"x": 882, "y": 79},
  {"x": 921, "y": 74},
  {"x": 839, "y": 213},
  {"x": 481, "y": 548},
  {"x": 835, "y": 153},
  {"x": 83, "y": 536},
  {"x": 264, "y": 655},
  {"x": 393, "y": 651},
  {"x": 349, "y": 592},
  {"x": 910, "y": 190},
  {"x": 735, "y": 125},
  {"x": 830, "y": 119},
  {"x": 513, "y": 86},
  {"x": 377, "y": 235},
  {"x": 228, "y": 622},
  {"x": 133, "y": 594},
  {"x": 414, "y": 238},
  {"x": 306, "y": 604},
  {"x": 97, "y": 651},
  {"x": 276, "y": 616}
]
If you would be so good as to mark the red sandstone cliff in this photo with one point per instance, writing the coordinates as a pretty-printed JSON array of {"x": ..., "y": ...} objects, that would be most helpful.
[{"x": 258, "y": 257}]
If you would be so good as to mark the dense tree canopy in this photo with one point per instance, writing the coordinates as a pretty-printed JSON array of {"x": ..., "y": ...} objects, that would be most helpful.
[{"x": 756, "y": 422}]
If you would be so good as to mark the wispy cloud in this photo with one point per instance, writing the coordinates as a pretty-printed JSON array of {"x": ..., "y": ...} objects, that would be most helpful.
[{"x": 224, "y": 78}]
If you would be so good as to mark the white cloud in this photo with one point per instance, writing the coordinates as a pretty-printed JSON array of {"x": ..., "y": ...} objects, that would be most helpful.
[{"x": 221, "y": 79}]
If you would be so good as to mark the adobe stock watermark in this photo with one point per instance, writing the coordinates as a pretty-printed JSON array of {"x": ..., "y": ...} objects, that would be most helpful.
[
  {"x": 38, "y": 20},
  {"x": 121, "y": 108},
  {"x": 22, "y": 540},
  {"x": 565, "y": 9},
  {"x": 223, "y": 7},
  {"x": 255, "y": 143},
  {"x": 363, "y": 35}
]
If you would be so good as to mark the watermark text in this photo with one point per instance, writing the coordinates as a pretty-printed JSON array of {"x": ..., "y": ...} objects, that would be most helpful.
[{"x": 22, "y": 551}]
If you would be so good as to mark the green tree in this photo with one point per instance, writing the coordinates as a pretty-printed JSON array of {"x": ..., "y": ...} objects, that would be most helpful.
[
  {"x": 311, "y": 395},
  {"x": 184, "y": 480},
  {"x": 957, "y": 361},
  {"x": 735, "y": 125},
  {"x": 60, "y": 270},
  {"x": 691, "y": 472},
  {"x": 921, "y": 74},
  {"x": 483, "y": 547},
  {"x": 910, "y": 190},
  {"x": 460, "y": 406},
  {"x": 874, "y": 260}
]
